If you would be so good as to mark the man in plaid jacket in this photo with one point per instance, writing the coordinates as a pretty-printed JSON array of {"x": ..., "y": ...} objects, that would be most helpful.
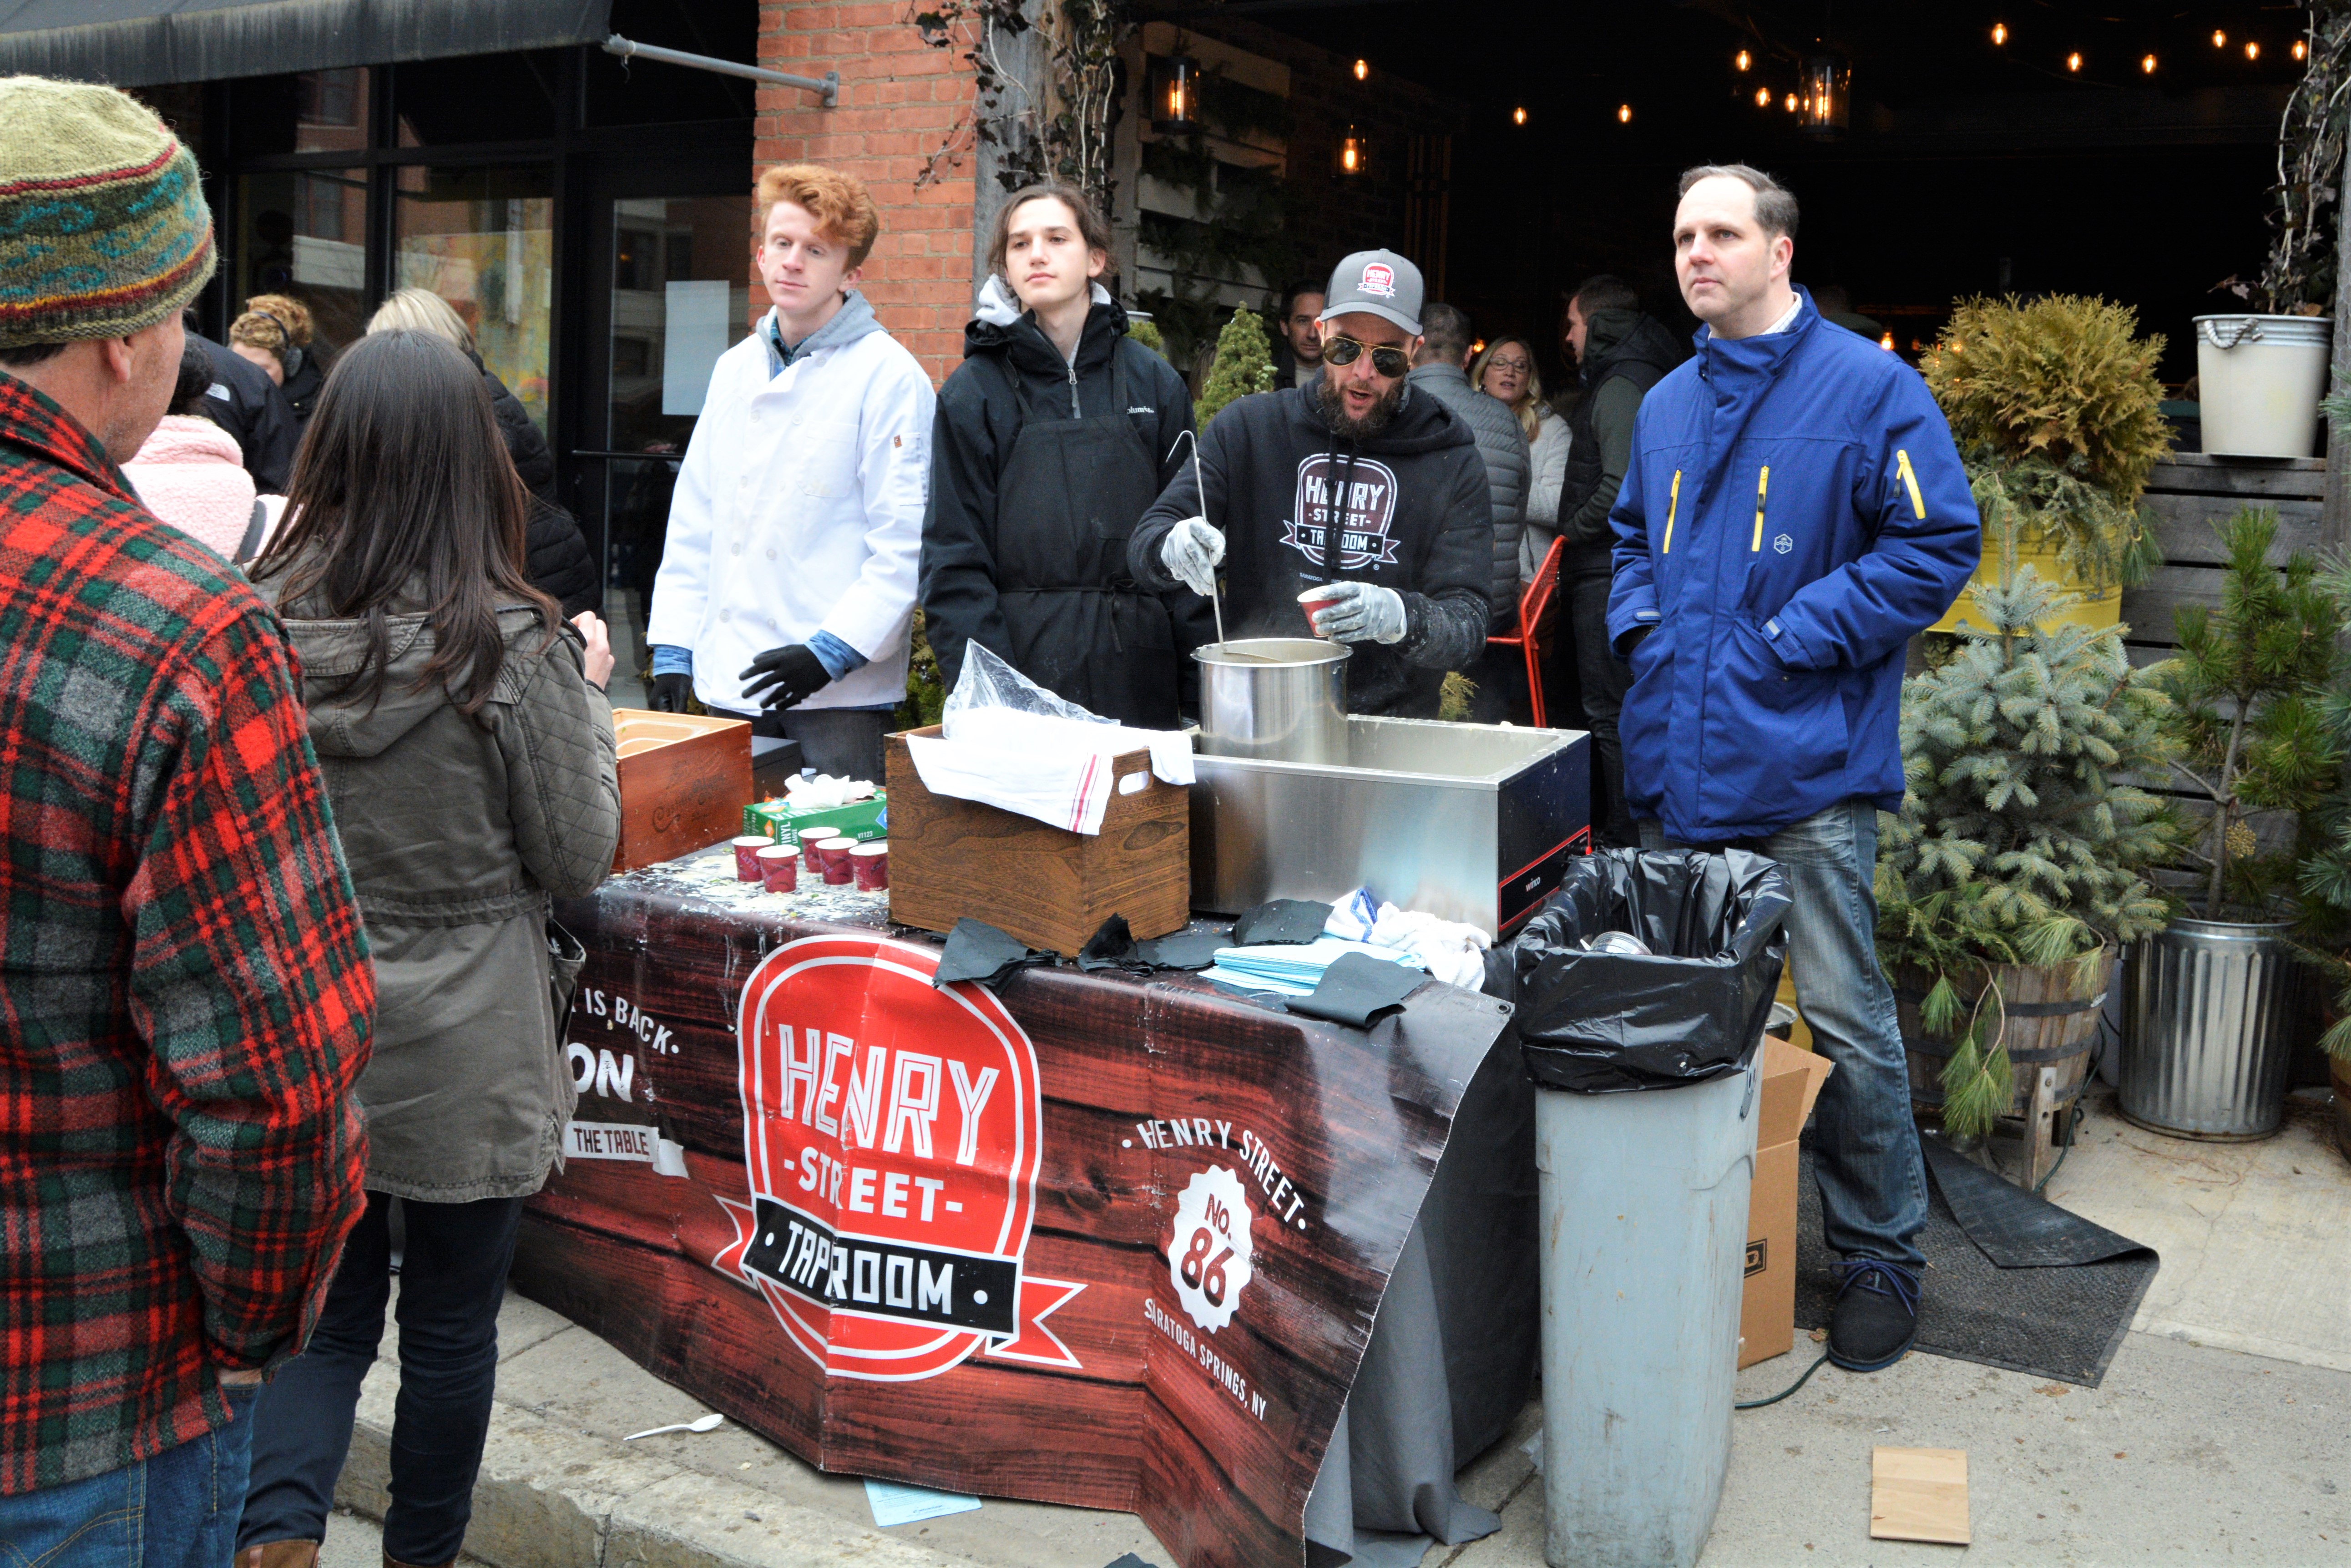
[{"x": 184, "y": 987}]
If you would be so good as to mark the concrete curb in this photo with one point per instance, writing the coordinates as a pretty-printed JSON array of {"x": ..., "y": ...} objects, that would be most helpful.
[{"x": 552, "y": 1497}]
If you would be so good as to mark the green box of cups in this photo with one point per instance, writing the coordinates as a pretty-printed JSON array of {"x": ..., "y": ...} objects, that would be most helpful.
[{"x": 859, "y": 819}]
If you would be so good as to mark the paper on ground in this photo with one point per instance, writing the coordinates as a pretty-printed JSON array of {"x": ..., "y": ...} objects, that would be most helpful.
[{"x": 895, "y": 1503}]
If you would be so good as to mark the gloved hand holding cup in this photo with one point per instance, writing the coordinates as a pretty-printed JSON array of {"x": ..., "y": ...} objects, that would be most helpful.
[{"x": 1354, "y": 612}]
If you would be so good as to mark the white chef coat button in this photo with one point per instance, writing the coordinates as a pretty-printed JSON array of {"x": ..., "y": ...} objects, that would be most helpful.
[
  {"x": 727, "y": 615},
  {"x": 738, "y": 550},
  {"x": 771, "y": 554}
]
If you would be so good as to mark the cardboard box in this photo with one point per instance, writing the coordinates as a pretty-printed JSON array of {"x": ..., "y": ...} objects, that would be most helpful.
[
  {"x": 1767, "y": 1311},
  {"x": 859, "y": 819},
  {"x": 683, "y": 779}
]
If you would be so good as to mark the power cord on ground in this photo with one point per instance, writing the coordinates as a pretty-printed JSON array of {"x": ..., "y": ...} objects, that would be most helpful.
[{"x": 1759, "y": 1404}]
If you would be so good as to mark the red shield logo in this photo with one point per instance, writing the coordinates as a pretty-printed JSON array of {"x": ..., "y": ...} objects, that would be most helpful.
[
  {"x": 1379, "y": 278},
  {"x": 891, "y": 1137}
]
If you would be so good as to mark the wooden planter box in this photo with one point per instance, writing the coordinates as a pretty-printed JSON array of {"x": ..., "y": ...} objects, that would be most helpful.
[
  {"x": 684, "y": 780},
  {"x": 1047, "y": 886}
]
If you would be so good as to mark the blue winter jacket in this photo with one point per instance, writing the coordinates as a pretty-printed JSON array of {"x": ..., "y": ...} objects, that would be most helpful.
[{"x": 1795, "y": 511}]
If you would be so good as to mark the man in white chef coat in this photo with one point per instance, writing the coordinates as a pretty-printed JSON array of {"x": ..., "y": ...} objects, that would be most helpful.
[{"x": 786, "y": 582}]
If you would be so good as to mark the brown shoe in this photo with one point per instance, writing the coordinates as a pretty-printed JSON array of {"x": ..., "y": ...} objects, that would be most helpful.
[{"x": 279, "y": 1554}]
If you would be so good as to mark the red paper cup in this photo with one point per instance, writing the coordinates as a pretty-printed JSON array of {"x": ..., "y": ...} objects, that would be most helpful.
[
  {"x": 870, "y": 864},
  {"x": 810, "y": 862},
  {"x": 834, "y": 854},
  {"x": 780, "y": 868},
  {"x": 750, "y": 844}
]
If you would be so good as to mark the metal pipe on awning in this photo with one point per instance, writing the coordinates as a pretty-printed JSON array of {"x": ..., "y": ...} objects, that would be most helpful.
[{"x": 828, "y": 84}]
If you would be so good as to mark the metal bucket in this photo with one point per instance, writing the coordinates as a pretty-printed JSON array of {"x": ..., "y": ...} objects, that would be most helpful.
[
  {"x": 1286, "y": 704},
  {"x": 2210, "y": 1035}
]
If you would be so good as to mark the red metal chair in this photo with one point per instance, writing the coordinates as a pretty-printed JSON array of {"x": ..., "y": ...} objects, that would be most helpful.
[{"x": 1535, "y": 606}]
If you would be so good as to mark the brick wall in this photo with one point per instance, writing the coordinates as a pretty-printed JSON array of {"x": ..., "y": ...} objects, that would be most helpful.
[{"x": 900, "y": 100}]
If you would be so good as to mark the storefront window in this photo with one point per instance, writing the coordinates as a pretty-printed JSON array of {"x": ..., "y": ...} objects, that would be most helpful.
[
  {"x": 476, "y": 98},
  {"x": 681, "y": 296},
  {"x": 484, "y": 240},
  {"x": 314, "y": 112},
  {"x": 305, "y": 234}
]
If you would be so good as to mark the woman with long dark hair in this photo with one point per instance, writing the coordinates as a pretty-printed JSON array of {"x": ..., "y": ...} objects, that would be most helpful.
[{"x": 468, "y": 751}]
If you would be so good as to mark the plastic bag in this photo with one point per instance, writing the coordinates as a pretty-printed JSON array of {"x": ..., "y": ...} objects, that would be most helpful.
[
  {"x": 995, "y": 705},
  {"x": 1690, "y": 1010}
]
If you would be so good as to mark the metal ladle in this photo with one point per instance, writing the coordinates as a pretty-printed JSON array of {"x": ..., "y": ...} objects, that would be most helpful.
[{"x": 1215, "y": 596}]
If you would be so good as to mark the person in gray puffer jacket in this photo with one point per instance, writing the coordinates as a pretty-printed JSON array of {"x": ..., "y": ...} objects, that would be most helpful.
[
  {"x": 468, "y": 751},
  {"x": 1441, "y": 369}
]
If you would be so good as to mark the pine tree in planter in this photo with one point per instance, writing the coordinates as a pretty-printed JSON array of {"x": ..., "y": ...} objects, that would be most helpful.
[
  {"x": 1244, "y": 364},
  {"x": 2248, "y": 688},
  {"x": 2016, "y": 850}
]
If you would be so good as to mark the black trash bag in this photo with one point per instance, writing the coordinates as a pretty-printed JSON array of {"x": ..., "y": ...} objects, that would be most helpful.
[{"x": 1691, "y": 1008}]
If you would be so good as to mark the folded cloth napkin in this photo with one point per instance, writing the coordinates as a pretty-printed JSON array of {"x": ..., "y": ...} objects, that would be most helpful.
[
  {"x": 1283, "y": 920},
  {"x": 979, "y": 951},
  {"x": 1294, "y": 970},
  {"x": 1057, "y": 770},
  {"x": 1358, "y": 991},
  {"x": 1170, "y": 749}
]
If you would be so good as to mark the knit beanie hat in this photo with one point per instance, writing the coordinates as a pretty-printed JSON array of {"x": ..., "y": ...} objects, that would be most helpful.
[{"x": 103, "y": 225}]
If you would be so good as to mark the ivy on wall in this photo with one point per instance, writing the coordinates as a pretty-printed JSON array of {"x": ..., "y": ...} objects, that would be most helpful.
[{"x": 1055, "y": 129}]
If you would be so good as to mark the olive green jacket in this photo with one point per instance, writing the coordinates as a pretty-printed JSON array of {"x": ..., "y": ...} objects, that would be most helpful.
[{"x": 456, "y": 831}]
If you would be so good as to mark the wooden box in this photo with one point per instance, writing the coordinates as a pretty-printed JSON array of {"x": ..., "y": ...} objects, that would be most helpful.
[
  {"x": 684, "y": 780},
  {"x": 1047, "y": 886}
]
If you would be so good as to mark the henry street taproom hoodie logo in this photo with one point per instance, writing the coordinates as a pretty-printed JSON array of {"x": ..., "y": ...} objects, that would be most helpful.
[
  {"x": 891, "y": 1137},
  {"x": 1362, "y": 514}
]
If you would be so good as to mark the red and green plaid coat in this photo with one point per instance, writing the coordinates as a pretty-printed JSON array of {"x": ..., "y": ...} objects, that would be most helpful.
[{"x": 185, "y": 994}]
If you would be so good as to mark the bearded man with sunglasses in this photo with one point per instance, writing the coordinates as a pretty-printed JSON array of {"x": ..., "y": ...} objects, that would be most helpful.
[{"x": 1347, "y": 489}]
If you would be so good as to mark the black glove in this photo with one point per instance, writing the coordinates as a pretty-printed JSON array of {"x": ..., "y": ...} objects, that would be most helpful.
[
  {"x": 788, "y": 677},
  {"x": 1634, "y": 638},
  {"x": 669, "y": 693}
]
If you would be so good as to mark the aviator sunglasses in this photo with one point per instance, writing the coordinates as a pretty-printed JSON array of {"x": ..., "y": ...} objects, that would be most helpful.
[{"x": 1343, "y": 351}]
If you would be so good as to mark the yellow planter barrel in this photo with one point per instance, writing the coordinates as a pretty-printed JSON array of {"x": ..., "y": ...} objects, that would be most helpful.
[{"x": 2097, "y": 613}]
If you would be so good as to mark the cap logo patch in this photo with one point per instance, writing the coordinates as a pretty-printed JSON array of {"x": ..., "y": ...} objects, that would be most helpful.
[{"x": 1379, "y": 278}]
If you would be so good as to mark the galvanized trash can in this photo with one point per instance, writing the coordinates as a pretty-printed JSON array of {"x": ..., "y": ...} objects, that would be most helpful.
[
  {"x": 1645, "y": 1116},
  {"x": 2209, "y": 1041}
]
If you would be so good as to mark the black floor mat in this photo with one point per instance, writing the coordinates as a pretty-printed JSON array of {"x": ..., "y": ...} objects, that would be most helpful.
[{"x": 2026, "y": 1286}]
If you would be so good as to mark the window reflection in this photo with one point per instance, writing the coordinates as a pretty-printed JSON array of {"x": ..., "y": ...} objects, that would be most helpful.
[
  {"x": 305, "y": 235},
  {"x": 484, "y": 240}
]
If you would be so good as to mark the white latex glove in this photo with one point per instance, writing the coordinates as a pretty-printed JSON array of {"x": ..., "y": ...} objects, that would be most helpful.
[
  {"x": 1191, "y": 553},
  {"x": 1355, "y": 612}
]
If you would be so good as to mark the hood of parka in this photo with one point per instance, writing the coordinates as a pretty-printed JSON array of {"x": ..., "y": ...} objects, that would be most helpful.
[
  {"x": 999, "y": 325},
  {"x": 346, "y": 723}
]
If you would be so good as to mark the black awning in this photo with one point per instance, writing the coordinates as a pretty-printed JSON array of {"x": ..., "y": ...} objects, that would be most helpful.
[{"x": 139, "y": 43}]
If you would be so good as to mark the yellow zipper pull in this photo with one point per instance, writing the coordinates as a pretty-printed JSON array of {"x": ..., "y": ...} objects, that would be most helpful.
[
  {"x": 1673, "y": 504},
  {"x": 1902, "y": 462},
  {"x": 1762, "y": 480}
]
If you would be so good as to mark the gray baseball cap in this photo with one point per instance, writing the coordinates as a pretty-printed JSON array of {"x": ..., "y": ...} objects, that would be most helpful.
[{"x": 1379, "y": 283}]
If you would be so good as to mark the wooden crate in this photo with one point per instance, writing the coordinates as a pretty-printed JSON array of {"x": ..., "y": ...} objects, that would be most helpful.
[
  {"x": 684, "y": 780},
  {"x": 1047, "y": 886}
]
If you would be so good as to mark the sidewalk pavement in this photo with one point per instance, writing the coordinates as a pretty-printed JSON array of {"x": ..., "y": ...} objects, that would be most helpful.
[{"x": 2221, "y": 1432}]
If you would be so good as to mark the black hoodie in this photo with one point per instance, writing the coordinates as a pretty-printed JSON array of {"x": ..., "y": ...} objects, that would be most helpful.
[
  {"x": 1099, "y": 651},
  {"x": 1418, "y": 519}
]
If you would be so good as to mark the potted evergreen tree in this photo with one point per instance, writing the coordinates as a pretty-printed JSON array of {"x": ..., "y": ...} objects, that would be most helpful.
[
  {"x": 2019, "y": 862},
  {"x": 2058, "y": 412},
  {"x": 2323, "y": 880},
  {"x": 2209, "y": 1023}
]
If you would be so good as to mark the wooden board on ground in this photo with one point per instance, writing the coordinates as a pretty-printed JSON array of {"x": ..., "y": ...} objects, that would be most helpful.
[{"x": 1919, "y": 1494}]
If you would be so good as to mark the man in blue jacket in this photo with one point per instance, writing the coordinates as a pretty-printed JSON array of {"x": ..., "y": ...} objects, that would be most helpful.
[{"x": 1794, "y": 513}]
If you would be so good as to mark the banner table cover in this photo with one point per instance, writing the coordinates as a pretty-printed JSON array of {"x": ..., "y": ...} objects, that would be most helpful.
[{"x": 1083, "y": 1239}]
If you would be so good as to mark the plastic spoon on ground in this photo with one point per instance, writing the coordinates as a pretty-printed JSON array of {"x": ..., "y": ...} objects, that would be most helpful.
[{"x": 709, "y": 1423}]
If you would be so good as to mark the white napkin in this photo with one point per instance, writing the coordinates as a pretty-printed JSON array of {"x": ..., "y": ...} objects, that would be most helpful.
[{"x": 1057, "y": 770}]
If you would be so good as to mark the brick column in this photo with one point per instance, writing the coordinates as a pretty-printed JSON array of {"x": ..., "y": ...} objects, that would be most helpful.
[{"x": 900, "y": 100}]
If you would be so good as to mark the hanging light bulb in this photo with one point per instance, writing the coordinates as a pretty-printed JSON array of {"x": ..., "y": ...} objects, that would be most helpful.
[
  {"x": 1999, "y": 32},
  {"x": 1354, "y": 153},
  {"x": 1363, "y": 70},
  {"x": 1763, "y": 97},
  {"x": 1792, "y": 103},
  {"x": 2252, "y": 48},
  {"x": 1623, "y": 114},
  {"x": 2073, "y": 61},
  {"x": 1886, "y": 342},
  {"x": 1742, "y": 59},
  {"x": 2301, "y": 50},
  {"x": 1828, "y": 86},
  {"x": 2146, "y": 64},
  {"x": 2219, "y": 39},
  {"x": 1518, "y": 116}
]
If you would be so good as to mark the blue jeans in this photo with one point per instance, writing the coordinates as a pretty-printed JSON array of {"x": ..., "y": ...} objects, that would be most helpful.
[
  {"x": 1866, "y": 1154},
  {"x": 177, "y": 1510},
  {"x": 453, "y": 1278}
]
